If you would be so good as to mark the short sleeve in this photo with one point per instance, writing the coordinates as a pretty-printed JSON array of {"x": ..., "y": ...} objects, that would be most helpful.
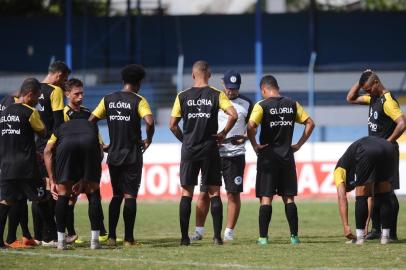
[
  {"x": 257, "y": 114},
  {"x": 301, "y": 115},
  {"x": 36, "y": 122},
  {"x": 57, "y": 99},
  {"x": 224, "y": 102},
  {"x": 367, "y": 99},
  {"x": 53, "y": 139},
  {"x": 340, "y": 176},
  {"x": 176, "y": 109},
  {"x": 100, "y": 111},
  {"x": 144, "y": 108},
  {"x": 391, "y": 108}
]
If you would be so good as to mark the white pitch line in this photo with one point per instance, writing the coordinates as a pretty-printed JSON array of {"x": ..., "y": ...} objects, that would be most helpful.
[{"x": 145, "y": 261}]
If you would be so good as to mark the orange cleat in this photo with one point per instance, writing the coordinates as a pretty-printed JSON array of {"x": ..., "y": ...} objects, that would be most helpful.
[
  {"x": 29, "y": 242},
  {"x": 17, "y": 244}
]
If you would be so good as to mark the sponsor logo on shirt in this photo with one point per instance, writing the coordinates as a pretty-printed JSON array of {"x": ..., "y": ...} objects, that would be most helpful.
[
  {"x": 198, "y": 103},
  {"x": 119, "y": 105},
  {"x": 281, "y": 122},
  {"x": 8, "y": 120}
]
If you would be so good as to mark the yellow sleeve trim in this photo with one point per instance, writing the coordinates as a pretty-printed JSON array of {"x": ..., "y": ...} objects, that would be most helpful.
[
  {"x": 36, "y": 122},
  {"x": 144, "y": 108},
  {"x": 301, "y": 115},
  {"x": 100, "y": 139},
  {"x": 176, "y": 109},
  {"x": 56, "y": 98},
  {"x": 53, "y": 139},
  {"x": 340, "y": 175},
  {"x": 65, "y": 114},
  {"x": 100, "y": 111},
  {"x": 367, "y": 99},
  {"x": 391, "y": 107},
  {"x": 224, "y": 102},
  {"x": 257, "y": 114}
]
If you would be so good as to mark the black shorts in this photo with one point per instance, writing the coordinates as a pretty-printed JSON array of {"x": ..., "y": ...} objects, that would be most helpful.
[
  {"x": 395, "y": 178},
  {"x": 75, "y": 162},
  {"x": 210, "y": 169},
  {"x": 16, "y": 189},
  {"x": 275, "y": 177},
  {"x": 232, "y": 169},
  {"x": 126, "y": 179}
]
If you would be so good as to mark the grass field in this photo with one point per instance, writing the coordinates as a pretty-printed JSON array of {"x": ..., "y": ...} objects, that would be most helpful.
[{"x": 157, "y": 229}]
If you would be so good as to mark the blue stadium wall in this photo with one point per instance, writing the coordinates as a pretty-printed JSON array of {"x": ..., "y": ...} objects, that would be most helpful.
[{"x": 344, "y": 40}]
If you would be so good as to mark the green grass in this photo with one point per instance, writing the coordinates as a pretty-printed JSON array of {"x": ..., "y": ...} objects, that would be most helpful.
[{"x": 158, "y": 230}]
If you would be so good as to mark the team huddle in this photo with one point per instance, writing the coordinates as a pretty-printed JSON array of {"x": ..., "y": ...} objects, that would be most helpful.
[{"x": 50, "y": 153}]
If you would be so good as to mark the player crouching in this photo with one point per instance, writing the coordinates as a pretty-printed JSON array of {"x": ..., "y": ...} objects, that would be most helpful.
[
  {"x": 77, "y": 170},
  {"x": 367, "y": 166}
]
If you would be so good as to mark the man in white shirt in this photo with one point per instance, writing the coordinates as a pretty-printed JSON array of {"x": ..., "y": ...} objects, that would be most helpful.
[{"x": 232, "y": 153}]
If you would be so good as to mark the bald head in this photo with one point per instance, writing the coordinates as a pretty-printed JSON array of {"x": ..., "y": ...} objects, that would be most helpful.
[{"x": 201, "y": 70}]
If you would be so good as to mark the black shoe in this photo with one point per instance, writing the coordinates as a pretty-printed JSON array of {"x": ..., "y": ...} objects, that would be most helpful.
[
  {"x": 218, "y": 241},
  {"x": 373, "y": 234},
  {"x": 393, "y": 237},
  {"x": 185, "y": 241}
]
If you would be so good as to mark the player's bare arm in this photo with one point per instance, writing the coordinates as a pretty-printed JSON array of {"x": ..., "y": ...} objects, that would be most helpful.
[
  {"x": 49, "y": 165},
  {"x": 232, "y": 118},
  {"x": 399, "y": 129},
  {"x": 150, "y": 129},
  {"x": 343, "y": 209},
  {"x": 309, "y": 127},
  {"x": 174, "y": 127},
  {"x": 353, "y": 96},
  {"x": 251, "y": 132}
]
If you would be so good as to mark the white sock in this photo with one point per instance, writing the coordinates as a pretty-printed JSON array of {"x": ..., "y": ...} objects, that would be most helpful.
[
  {"x": 360, "y": 233},
  {"x": 385, "y": 233},
  {"x": 228, "y": 231},
  {"x": 200, "y": 230},
  {"x": 95, "y": 235},
  {"x": 61, "y": 237}
]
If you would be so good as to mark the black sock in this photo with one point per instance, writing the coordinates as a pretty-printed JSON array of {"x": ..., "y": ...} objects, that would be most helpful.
[
  {"x": 103, "y": 231},
  {"x": 36, "y": 221},
  {"x": 395, "y": 207},
  {"x": 24, "y": 218},
  {"x": 386, "y": 213},
  {"x": 13, "y": 221},
  {"x": 375, "y": 216},
  {"x": 51, "y": 232},
  {"x": 265, "y": 215},
  {"x": 70, "y": 220},
  {"x": 361, "y": 211},
  {"x": 129, "y": 214},
  {"x": 3, "y": 218},
  {"x": 292, "y": 217},
  {"x": 48, "y": 226},
  {"x": 114, "y": 215},
  {"x": 95, "y": 210},
  {"x": 216, "y": 207},
  {"x": 185, "y": 207},
  {"x": 61, "y": 209}
]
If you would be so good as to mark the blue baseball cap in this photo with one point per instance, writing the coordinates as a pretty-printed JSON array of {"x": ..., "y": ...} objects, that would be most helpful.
[{"x": 232, "y": 79}]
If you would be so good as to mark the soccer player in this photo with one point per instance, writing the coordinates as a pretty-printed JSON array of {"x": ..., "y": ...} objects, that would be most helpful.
[
  {"x": 232, "y": 153},
  {"x": 18, "y": 212},
  {"x": 124, "y": 110},
  {"x": 74, "y": 110},
  {"x": 50, "y": 107},
  {"x": 198, "y": 107},
  {"x": 19, "y": 174},
  {"x": 77, "y": 168},
  {"x": 276, "y": 169},
  {"x": 367, "y": 164},
  {"x": 387, "y": 121}
]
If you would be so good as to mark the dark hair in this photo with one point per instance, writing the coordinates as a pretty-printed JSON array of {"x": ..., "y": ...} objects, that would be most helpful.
[
  {"x": 73, "y": 83},
  {"x": 59, "y": 66},
  {"x": 29, "y": 85},
  {"x": 269, "y": 81},
  {"x": 132, "y": 74},
  {"x": 365, "y": 77}
]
